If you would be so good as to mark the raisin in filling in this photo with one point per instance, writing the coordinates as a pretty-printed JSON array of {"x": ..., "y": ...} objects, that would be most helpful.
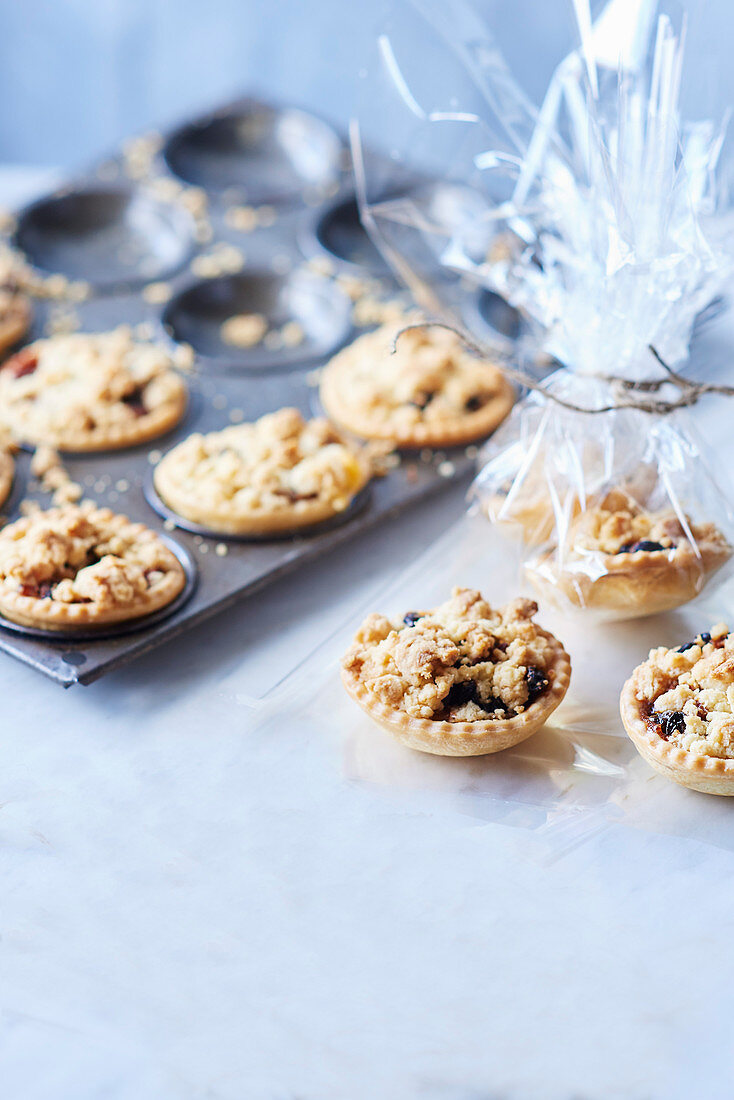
[
  {"x": 475, "y": 403},
  {"x": 667, "y": 722},
  {"x": 134, "y": 401},
  {"x": 641, "y": 544},
  {"x": 465, "y": 691}
]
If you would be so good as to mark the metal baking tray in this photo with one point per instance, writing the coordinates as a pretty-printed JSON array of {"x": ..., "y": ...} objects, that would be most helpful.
[{"x": 116, "y": 233}]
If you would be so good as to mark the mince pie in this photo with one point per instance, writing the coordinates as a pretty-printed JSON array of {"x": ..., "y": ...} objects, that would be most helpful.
[
  {"x": 429, "y": 392},
  {"x": 678, "y": 709},
  {"x": 79, "y": 567},
  {"x": 90, "y": 392},
  {"x": 620, "y": 558},
  {"x": 464, "y": 679},
  {"x": 280, "y": 473}
]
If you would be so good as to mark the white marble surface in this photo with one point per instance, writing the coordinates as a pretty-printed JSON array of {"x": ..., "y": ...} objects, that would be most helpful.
[{"x": 198, "y": 905}]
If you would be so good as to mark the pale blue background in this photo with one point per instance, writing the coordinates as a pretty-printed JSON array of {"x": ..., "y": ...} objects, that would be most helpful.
[{"x": 76, "y": 76}]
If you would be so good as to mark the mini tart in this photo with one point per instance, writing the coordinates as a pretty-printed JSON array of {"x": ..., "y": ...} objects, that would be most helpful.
[
  {"x": 90, "y": 392},
  {"x": 462, "y": 680},
  {"x": 7, "y": 472},
  {"x": 623, "y": 559},
  {"x": 15, "y": 316},
  {"x": 78, "y": 567},
  {"x": 678, "y": 709},
  {"x": 280, "y": 473},
  {"x": 429, "y": 393}
]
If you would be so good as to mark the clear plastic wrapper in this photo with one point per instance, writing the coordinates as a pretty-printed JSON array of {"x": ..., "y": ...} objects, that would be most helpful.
[
  {"x": 617, "y": 513},
  {"x": 604, "y": 218}
]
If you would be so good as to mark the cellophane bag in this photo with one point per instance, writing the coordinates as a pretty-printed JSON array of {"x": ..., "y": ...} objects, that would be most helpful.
[{"x": 604, "y": 219}]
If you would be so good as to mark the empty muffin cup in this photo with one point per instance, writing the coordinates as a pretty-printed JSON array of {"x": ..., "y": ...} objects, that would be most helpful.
[
  {"x": 266, "y": 154},
  {"x": 260, "y": 321},
  {"x": 109, "y": 237}
]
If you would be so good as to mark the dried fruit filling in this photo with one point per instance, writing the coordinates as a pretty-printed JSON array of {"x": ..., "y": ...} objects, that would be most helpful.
[
  {"x": 688, "y": 694},
  {"x": 462, "y": 662}
]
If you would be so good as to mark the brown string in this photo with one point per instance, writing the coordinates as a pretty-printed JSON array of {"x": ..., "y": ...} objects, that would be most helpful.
[{"x": 628, "y": 391}]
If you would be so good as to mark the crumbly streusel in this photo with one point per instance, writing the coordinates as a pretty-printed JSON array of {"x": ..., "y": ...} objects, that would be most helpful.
[
  {"x": 618, "y": 525},
  {"x": 279, "y": 462},
  {"x": 430, "y": 385},
  {"x": 90, "y": 391},
  {"x": 81, "y": 554},
  {"x": 687, "y": 694},
  {"x": 462, "y": 662}
]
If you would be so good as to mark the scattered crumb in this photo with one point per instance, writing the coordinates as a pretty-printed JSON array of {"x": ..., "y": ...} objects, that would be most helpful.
[
  {"x": 236, "y": 416},
  {"x": 203, "y": 548},
  {"x": 321, "y": 265},
  {"x": 292, "y": 334},
  {"x": 169, "y": 525},
  {"x": 244, "y": 330},
  {"x": 368, "y": 310},
  {"x": 221, "y": 549},
  {"x": 122, "y": 485},
  {"x": 139, "y": 154},
  {"x": 471, "y": 452},
  {"x": 53, "y": 477},
  {"x": 221, "y": 259},
  {"x": 184, "y": 357},
  {"x": 446, "y": 469},
  {"x": 157, "y": 293},
  {"x": 219, "y": 401},
  {"x": 242, "y": 218},
  {"x": 61, "y": 319},
  {"x": 154, "y": 457}
]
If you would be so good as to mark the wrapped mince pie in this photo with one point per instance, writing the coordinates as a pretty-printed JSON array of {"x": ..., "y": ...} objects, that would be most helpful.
[{"x": 602, "y": 218}]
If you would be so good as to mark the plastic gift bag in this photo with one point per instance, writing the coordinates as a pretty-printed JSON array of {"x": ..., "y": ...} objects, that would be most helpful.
[
  {"x": 604, "y": 219},
  {"x": 616, "y": 512}
]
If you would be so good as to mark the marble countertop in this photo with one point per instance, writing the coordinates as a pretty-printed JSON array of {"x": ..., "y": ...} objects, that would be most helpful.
[{"x": 198, "y": 904}]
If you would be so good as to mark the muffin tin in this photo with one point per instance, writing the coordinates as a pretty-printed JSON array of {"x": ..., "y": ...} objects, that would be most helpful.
[{"x": 121, "y": 234}]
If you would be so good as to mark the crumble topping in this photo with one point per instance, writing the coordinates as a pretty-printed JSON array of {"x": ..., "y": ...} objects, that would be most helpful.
[
  {"x": 78, "y": 386},
  {"x": 83, "y": 554},
  {"x": 618, "y": 525},
  {"x": 687, "y": 694},
  {"x": 429, "y": 378},
  {"x": 275, "y": 462},
  {"x": 462, "y": 662}
]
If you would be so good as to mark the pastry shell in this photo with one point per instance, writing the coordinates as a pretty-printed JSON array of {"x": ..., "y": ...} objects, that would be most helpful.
[
  {"x": 14, "y": 322},
  {"x": 709, "y": 774},
  {"x": 467, "y": 738},
  {"x": 632, "y": 584},
  {"x": 258, "y": 522},
  {"x": 448, "y": 431},
  {"x": 55, "y": 615}
]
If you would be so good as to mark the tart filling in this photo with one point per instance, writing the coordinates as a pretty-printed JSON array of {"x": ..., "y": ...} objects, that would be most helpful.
[
  {"x": 686, "y": 695},
  {"x": 280, "y": 472},
  {"x": 79, "y": 566},
  {"x": 429, "y": 392},
  {"x": 87, "y": 392},
  {"x": 462, "y": 679},
  {"x": 678, "y": 710}
]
